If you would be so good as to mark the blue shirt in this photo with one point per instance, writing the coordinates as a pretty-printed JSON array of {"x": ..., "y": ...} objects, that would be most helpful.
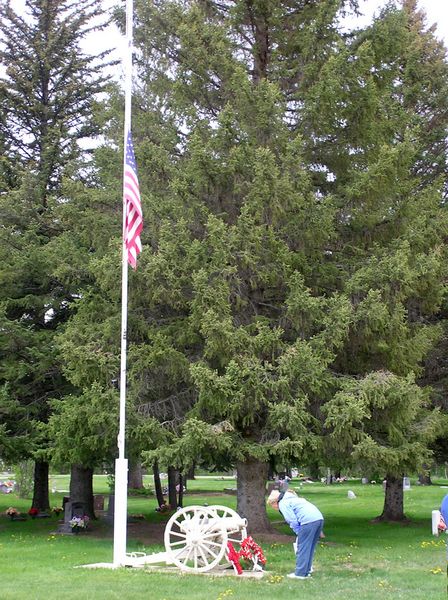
[{"x": 298, "y": 511}]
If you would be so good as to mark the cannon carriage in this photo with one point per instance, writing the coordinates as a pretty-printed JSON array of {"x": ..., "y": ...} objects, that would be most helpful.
[{"x": 197, "y": 539}]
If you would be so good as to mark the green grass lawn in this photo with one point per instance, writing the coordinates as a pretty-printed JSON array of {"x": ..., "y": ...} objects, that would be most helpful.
[{"x": 357, "y": 559}]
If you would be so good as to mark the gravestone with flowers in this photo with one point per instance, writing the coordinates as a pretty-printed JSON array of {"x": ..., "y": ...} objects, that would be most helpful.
[{"x": 75, "y": 519}]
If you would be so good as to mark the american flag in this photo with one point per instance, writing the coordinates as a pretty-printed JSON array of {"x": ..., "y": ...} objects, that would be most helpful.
[{"x": 134, "y": 216}]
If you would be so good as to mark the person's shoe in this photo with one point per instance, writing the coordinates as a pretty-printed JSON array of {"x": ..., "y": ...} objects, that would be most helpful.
[{"x": 294, "y": 576}]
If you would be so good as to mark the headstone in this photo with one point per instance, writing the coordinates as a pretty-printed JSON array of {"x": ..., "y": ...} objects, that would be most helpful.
[
  {"x": 71, "y": 509},
  {"x": 406, "y": 483},
  {"x": 435, "y": 520},
  {"x": 364, "y": 480},
  {"x": 98, "y": 502},
  {"x": 110, "y": 509}
]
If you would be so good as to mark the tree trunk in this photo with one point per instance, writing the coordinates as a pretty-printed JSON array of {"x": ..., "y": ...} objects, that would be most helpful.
[
  {"x": 173, "y": 478},
  {"x": 393, "y": 500},
  {"x": 190, "y": 472},
  {"x": 180, "y": 498},
  {"x": 135, "y": 477},
  {"x": 41, "y": 498},
  {"x": 313, "y": 471},
  {"x": 157, "y": 484},
  {"x": 424, "y": 478},
  {"x": 251, "y": 494},
  {"x": 81, "y": 487}
]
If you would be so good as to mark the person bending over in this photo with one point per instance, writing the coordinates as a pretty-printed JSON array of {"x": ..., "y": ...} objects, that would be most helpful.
[{"x": 306, "y": 521}]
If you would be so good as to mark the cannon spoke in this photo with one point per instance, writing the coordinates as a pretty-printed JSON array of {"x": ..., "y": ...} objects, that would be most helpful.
[
  {"x": 187, "y": 556},
  {"x": 178, "y": 543},
  {"x": 179, "y": 534},
  {"x": 208, "y": 550},
  {"x": 211, "y": 534},
  {"x": 203, "y": 554},
  {"x": 211, "y": 543}
]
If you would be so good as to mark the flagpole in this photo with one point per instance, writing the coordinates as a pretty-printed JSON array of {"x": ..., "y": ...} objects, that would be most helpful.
[{"x": 121, "y": 463}]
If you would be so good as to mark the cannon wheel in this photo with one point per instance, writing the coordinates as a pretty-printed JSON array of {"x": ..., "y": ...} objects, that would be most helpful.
[{"x": 195, "y": 539}]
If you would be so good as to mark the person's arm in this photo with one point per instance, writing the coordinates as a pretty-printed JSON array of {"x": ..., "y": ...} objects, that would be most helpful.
[
  {"x": 289, "y": 514},
  {"x": 298, "y": 513}
]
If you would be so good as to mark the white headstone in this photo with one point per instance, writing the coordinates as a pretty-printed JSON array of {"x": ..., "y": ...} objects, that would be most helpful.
[{"x": 435, "y": 520}]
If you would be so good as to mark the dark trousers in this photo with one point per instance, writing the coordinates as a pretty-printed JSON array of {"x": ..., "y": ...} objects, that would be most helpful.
[{"x": 307, "y": 539}]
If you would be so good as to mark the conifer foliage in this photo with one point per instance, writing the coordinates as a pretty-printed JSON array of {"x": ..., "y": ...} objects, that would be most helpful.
[
  {"x": 49, "y": 90},
  {"x": 295, "y": 221}
]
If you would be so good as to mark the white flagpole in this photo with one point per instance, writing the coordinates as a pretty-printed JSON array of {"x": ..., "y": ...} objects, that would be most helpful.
[{"x": 121, "y": 463}]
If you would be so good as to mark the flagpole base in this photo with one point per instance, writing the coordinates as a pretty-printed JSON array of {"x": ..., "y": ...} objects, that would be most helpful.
[{"x": 121, "y": 511}]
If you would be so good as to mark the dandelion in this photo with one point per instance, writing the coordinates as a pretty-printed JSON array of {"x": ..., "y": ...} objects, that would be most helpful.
[
  {"x": 275, "y": 579},
  {"x": 225, "y": 594}
]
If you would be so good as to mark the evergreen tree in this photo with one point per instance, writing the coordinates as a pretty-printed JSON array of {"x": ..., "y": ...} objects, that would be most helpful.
[
  {"x": 294, "y": 233},
  {"x": 385, "y": 423},
  {"x": 48, "y": 90},
  {"x": 307, "y": 177},
  {"x": 377, "y": 100},
  {"x": 234, "y": 291}
]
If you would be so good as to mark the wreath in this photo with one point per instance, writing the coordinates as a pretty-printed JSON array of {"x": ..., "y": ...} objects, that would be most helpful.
[{"x": 250, "y": 551}]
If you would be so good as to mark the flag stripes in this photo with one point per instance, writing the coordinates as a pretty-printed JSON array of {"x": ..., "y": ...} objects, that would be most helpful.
[{"x": 134, "y": 216}]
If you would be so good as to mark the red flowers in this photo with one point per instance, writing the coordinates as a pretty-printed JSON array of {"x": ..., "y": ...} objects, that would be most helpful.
[
  {"x": 249, "y": 550},
  {"x": 252, "y": 551},
  {"x": 33, "y": 512}
]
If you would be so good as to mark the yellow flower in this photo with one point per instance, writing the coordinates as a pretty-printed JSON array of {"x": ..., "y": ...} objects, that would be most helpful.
[{"x": 275, "y": 578}]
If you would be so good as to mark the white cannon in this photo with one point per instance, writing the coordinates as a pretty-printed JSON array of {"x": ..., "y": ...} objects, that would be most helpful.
[{"x": 196, "y": 539}]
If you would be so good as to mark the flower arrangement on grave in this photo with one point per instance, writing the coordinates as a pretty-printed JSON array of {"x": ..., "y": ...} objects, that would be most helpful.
[
  {"x": 57, "y": 510},
  {"x": 33, "y": 512},
  {"x": 79, "y": 523},
  {"x": 249, "y": 551},
  {"x": 12, "y": 512}
]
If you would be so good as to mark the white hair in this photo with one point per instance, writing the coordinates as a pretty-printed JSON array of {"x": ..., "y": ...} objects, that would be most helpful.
[{"x": 273, "y": 497}]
